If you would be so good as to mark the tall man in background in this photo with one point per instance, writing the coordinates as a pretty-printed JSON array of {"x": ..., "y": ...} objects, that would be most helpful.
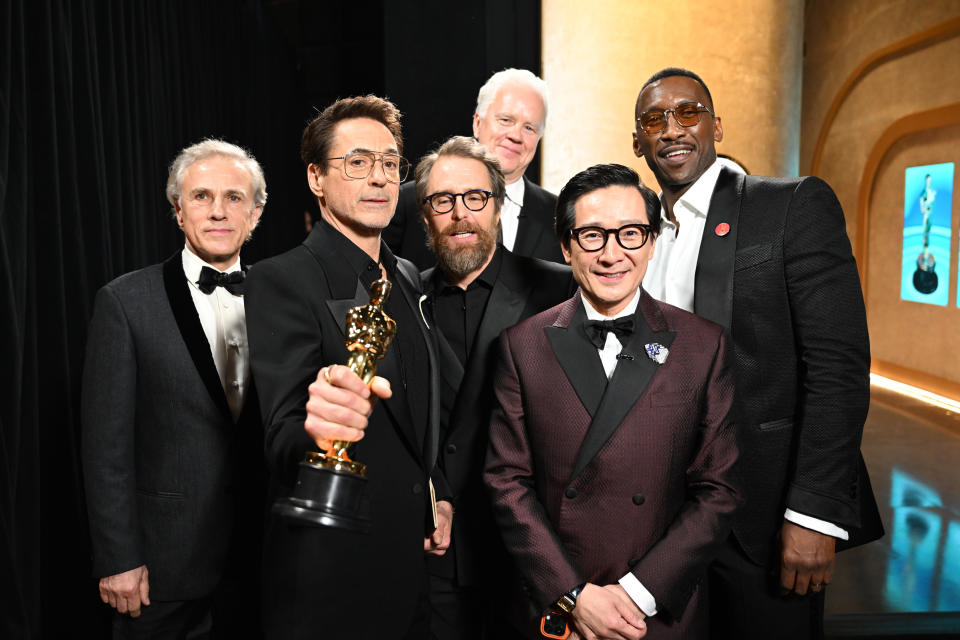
[
  {"x": 768, "y": 259},
  {"x": 509, "y": 121},
  {"x": 478, "y": 289},
  {"x": 321, "y": 581},
  {"x": 171, "y": 438}
]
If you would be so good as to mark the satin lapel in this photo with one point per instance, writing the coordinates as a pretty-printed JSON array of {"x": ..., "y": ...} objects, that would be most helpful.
[
  {"x": 339, "y": 308},
  {"x": 713, "y": 284},
  {"x": 577, "y": 355},
  {"x": 188, "y": 321},
  {"x": 447, "y": 360},
  {"x": 634, "y": 371},
  {"x": 529, "y": 229},
  {"x": 427, "y": 431}
]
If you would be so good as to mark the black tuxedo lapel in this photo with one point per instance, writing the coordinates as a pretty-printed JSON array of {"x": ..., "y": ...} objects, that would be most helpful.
[
  {"x": 529, "y": 228},
  {"x": 713, "y": 283},
  {"x": 339, "y": 308},
  {"x": 447, "y": 359},
  {"x": 577, "y": 355},
  {"x": 634, "y": 371},
  {"x": 427, "y": 425},
  {"x": 188, "y": 321}
]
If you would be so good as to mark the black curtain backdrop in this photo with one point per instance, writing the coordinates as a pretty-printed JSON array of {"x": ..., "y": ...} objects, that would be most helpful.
[{"x": 96, "y": 98}]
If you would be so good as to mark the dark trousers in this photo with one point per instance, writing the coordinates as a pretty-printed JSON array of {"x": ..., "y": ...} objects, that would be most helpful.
[
  {"x": 178, "y": 620},
  {"x": 745, "y": 602}
]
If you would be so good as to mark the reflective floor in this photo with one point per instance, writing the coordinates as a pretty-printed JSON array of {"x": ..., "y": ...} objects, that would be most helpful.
[{"x": 908, "y": 583}]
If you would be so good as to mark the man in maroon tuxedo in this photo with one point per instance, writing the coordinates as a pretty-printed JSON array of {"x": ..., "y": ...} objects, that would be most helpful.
[{"x": 612, "y": 450}]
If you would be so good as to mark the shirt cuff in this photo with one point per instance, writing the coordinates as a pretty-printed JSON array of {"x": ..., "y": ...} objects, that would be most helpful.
[
  {"x": 639, "y": 594},
  {"x": 821, "y": 526}
]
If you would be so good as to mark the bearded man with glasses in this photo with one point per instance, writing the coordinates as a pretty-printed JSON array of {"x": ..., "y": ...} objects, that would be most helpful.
[
  {"x": 478, "y": 289},
  {"x": 612, "y": 457},
  {"x": 321, "y": 581},
  {"x": 768, "y": 259}
]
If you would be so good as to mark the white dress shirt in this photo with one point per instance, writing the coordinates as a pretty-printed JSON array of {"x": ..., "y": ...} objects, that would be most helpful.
[
  {"x": 608, "y": 356},
  {"x": 672, "y": 273},
  {"x": 510, "y": 213},
  {"x": 225, "y": 326}
]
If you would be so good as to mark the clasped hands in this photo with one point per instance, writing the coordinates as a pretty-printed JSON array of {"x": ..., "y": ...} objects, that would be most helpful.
[{"x": 607, "y": 613}]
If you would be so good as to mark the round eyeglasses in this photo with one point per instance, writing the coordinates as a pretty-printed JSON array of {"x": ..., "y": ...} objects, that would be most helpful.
[
  {"x": 629, "y": 236},
  {"x": 358, "y": 165},
  {"x": 687, "y": 114},
  {"x": 443, "y": 202}
]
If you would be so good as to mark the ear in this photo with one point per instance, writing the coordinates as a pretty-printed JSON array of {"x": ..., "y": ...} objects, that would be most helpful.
[
  {"x": 637, "y": 151},
  {"x": 717, "y": 129},
  {"x": 476, "y": 124},
  {"x": 315, "y": 179},
  {"x": 179, "y": 212},
  {"x": 255, "y": 216},
  {"x": 565, "y": 248}
]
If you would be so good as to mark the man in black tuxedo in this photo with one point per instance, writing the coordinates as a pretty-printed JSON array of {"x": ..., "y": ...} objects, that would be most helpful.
[
  {"x": 171, "y": 438},
  {"x": 509, "y": 121},
  {"x": 329, "y": 582},
  {"x": 478, "y": 289},
  {"x": 768, "y": 259}
]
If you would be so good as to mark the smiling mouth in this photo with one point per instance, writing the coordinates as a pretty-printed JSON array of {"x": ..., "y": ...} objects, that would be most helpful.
[
  {"x": 677, "y": 154},
  {"x": 463, "y": 235},
  {"x": 612, "y": 276}
]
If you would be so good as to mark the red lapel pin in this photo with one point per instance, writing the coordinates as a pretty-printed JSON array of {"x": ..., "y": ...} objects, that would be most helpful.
[{"x": 722, "y": 229}]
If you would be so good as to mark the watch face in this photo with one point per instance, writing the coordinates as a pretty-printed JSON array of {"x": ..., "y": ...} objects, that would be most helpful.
[{"x": 566, "y": 603}]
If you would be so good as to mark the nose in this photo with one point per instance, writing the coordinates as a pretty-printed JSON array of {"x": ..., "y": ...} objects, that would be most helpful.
[
  {"x": 611, "y": 251},
  {"x": 218, "y": 210},
  {"x": 375, "y": 177},
  {"x": 672, "y": 127},
  {"x": 460, "y": 211}
]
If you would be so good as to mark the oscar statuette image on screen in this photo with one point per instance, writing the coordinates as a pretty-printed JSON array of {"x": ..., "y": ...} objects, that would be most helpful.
[{"x": 927, "y": 217}]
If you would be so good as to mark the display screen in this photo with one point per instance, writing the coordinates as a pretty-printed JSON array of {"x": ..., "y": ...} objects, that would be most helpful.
[{"x": 927, "y": 218}]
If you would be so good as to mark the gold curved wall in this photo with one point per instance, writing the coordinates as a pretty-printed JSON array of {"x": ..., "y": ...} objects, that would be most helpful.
[{"x": 597, "y": 55}]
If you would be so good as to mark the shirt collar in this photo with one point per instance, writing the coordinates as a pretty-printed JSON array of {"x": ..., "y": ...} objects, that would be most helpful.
[
  {"x": 360, "y": 263},
  {"x": 697, "y": 197},
  {"x": 515, "y": 192},
  {"x": 487, "y": 277},
  {"x": 629, "y": 310},
  {"x": 193, "y": 264}
]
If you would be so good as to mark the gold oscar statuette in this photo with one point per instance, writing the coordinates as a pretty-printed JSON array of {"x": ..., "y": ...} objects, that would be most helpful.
[{"x": 330, "y": 484}]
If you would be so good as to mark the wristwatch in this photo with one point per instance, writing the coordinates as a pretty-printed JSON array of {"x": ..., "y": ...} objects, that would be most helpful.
[{"x": 568, "y": 601}]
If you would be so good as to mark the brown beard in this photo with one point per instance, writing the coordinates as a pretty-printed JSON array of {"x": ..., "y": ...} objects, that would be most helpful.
[{"x": 460, "y": 261}]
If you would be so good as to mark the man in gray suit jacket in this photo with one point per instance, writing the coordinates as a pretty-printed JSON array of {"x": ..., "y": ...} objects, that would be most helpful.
[
  {"x": 509, "y": 121},
  {"x": 170, "y": 429}
]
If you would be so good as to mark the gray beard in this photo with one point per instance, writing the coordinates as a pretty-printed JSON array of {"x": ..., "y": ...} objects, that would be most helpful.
[{"x": 460, "y": 261}]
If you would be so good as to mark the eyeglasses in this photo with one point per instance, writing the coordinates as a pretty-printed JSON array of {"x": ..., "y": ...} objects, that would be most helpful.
[
  {"x": 358, "y": 165},
  {"x": 629, "y": 236},
  {"x": 687, "y": 114},
  {"x": 474, "y": 200}
]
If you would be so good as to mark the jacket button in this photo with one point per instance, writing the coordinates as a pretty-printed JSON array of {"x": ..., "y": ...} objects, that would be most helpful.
[
  {"x": 571, "y": 493},
  {"x": 633, "y": 562},
  {"x": 638, "y": 499},
  {"x": 417, "y": 488},
  {"x": 451, "y": 448}
]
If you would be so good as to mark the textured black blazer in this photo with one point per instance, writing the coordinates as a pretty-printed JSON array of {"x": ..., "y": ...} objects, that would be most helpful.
[
  {"x": 165, "y": 466},
  {"x": 314, "y": 577},
  {"x": 784, "y": 282},
  {"x": 407, "y": 237},
  {"x": 525, "y": 286}
]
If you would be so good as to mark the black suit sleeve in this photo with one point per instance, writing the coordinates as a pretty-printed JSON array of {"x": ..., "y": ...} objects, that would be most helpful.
[
  {"x": 108, "y": 415},
  {"x": 830, "y": 328},
  {"x": 286, "y": 353}
]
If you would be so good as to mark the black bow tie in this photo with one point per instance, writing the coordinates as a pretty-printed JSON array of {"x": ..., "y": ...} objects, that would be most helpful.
[
  {"x": 210, "y": 279},
  {"x": 597, "y": 330}
]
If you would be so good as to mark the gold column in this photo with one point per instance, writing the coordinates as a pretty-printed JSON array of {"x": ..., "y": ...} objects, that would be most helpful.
[{"x": 596, "y": 56}]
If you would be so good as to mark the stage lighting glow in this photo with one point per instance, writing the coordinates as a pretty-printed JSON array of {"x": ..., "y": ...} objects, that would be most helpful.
[{"x": 915, "y": 392}]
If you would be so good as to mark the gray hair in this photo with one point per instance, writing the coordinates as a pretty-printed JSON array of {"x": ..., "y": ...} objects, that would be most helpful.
[
  {"x": 214, "y": 147},
  {"x": 461, "y": 147},
  {"x": 500, "y": 79}
]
